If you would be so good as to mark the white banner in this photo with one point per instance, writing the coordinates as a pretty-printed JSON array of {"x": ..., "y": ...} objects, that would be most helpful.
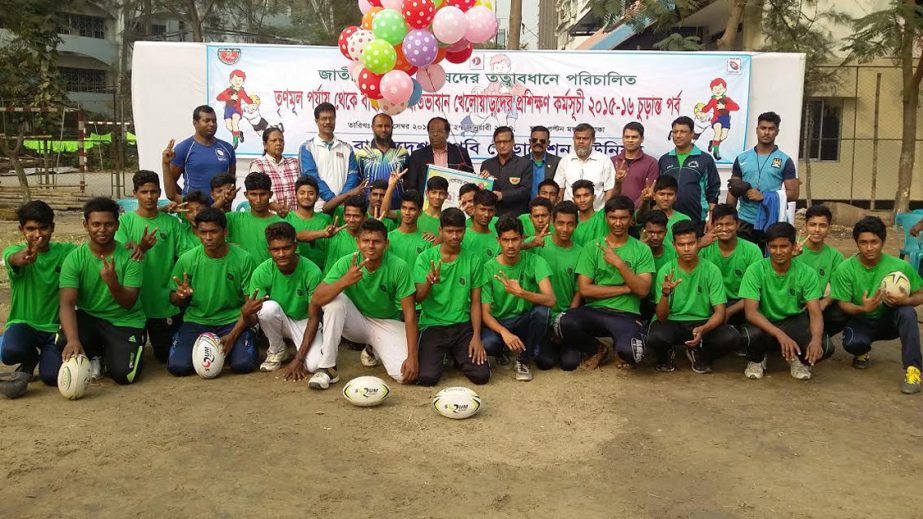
[{"x": 253, "y": 87}]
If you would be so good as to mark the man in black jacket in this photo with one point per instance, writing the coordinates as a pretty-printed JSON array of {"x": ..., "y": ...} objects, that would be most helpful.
[
  {"x": 439, "y": 152},
  {"x": 512, "y": 175}
]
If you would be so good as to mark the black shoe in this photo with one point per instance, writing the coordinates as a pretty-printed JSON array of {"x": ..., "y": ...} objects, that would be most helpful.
[
  {"x": 29, "y": 369},
  {"x": 668, "y": 365},
  {"x": 697, "y": 361}
]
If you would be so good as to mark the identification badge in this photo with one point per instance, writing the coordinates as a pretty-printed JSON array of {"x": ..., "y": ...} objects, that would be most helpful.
[
  {"x": 514, "y": 181},
  {"x": 777, "y": 163}
]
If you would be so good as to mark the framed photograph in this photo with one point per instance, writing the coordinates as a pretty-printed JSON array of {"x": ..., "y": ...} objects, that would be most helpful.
[{"x": 456, "y": 180}]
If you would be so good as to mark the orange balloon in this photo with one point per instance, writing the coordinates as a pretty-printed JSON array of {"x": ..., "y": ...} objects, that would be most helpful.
[
  {"x": 401, "y": 63},
  {"x": 368, "y": 16},
  {"x": 440, "y": 55}
]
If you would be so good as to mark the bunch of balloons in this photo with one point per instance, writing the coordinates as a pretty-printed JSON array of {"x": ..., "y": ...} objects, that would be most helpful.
[{"x": 395, "y": 53}]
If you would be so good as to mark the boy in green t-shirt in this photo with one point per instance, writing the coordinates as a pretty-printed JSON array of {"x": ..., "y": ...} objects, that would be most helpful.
[
  {"x": 875, "y": 315},
  {"x": 223, "y": 191},
  {"x": 549, "y": 190},
  {"x": 407, "y": 241},
  {"x": 193, "y": 202},
  {"x": 653, "y": 234},
  {"x": 312, "y": 228},
  {"x": 613, "y": 275},
  {"x": 33, "y": 268},
  {"x": 448, "y": 283},
  {"x": 247, "y": 229},
  {"x": 479, "y": 239},
  {"x": 690, "y": 307},
  {"x": 437, "y": 190},
  {"x": 363, "y": 296},
  {"x": 516, "y": 300},
  {"x": 101, "y": 311},
  {"x": 212, "y": 281},
  {"x": 536, "y": 225},
  {"x": 378, "y": 200},
  {"x": 591, "y": 224},
  {"x": 824, "y": 259},
  {"x": 662, "y": 197},
  {"x": 344, "y": 239},
  {"x": 561, "y": 254},
  {"x": 157, "y": 237},
  {"x": 466, "y": 199},
  {"x": 782, "y": 303}
]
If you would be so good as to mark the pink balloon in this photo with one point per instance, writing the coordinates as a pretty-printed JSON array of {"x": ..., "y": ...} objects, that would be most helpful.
[
  {"x": 450, "y": 24},
  {"x": 482, "y": 24},
  {"x": 458, "y": 46},
  {"x": 396, "y": 86},
  {"x": 391, "y": 108},
  {"x": 431, "y": 78},
  {"x": 392, "y": 4},
  {"x": 364, "y": 6}
]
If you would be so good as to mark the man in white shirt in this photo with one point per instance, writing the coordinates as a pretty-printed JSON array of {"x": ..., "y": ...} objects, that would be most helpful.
[
  {"x": 585, "y": 163},
  {"x": 328, "y": 159}
]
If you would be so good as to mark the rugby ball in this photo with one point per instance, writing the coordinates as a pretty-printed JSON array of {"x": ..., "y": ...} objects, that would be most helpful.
[
  {"x": 207, "y": 356},
  {"x": 366, "y": 391},
  {"x": 895, "y": 284},
  {"x": 74, "y": 377},
  {"x": 457, "y": 403}
]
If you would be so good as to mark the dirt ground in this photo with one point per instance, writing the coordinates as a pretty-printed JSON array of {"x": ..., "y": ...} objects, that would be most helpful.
[{"x": 610, "y": 443}]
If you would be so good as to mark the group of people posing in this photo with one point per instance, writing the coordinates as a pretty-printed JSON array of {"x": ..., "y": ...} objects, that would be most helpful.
[{"x": 570, "y": 261}]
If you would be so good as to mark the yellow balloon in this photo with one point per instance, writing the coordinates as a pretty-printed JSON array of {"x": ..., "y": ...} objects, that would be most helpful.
[
  {"x": 374, "y": 103},
  {"x": 485, "y": 3}
]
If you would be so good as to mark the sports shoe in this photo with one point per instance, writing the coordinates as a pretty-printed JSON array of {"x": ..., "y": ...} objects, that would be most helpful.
[
  {"x": 637, "y": 350},
  {"x": 755, "y": 370},
  {"x": 862, "y": 361},
  {"x": 523, "y": 373},
  {"x": 669, "y": 365},
  {"x": 323, "y": 378},
  {"x": 698, "y": 363},
  {"x": 799, "y": 370},
  {"x": 274, "y": 360},
  {"x": 96, "y": 368},
  {"x": 368, "y": 358},
  {"x": 911, "y": 383}
]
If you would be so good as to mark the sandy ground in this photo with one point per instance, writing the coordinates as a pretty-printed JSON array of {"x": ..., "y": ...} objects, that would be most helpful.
[{"x": 610, "y": 443}]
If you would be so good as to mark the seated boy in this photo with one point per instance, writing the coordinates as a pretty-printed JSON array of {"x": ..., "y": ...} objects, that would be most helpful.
[
  {"x": 732, "y": 255},
  {"x": 247, "y": 229},
  {"x": 823, "y": 259},
  {"x": 407, "y": 241},
  {"x": 312, "y": 228},
  {"x": 437, "y": 190}
]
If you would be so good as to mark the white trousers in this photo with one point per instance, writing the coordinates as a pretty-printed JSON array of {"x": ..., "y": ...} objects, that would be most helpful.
[
  {"x": 277, "y": 327},
  {"x": 386, "y": 336}
]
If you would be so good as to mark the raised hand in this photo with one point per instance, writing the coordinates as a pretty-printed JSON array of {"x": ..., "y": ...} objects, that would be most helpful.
[
  {"x": 511, "y": 286},
  {"x": 648, "y": 192},
  {"x": 799, "y": 245},
  {"x": 396, "y": 176},
  {"x": 253, "y": 304},
  {"x": 611, "y": 256},
  {"x": 709, "y": 237},
  {"x": 430, "y": 237},
  {"x": 669, "y": 284},
  {"x": 30, "y": 254},
  {"x": 621, "y": 170},
  {"x": 168, "y": 154},
  {"x": 358, "y": 190},
  {"x": 174, "y": 208},
  {"x": 870, "y": 304},
  {"x": 433, "y": 276},
  {"x": 148, "y": 240},
  {"x": 108, "y": 271},
  {"x": 183, "y": 290},
  {"x": 354, "y": 274},
  {"x": 539, "y": 239}
]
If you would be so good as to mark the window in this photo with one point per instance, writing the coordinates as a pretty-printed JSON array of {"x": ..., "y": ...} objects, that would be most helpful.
[
  {"x": 83, "y": 79},
  {"x": 158, "y": 29},
  {"x": 824, "y": 141},
  {"x": 87, "y": 26}
]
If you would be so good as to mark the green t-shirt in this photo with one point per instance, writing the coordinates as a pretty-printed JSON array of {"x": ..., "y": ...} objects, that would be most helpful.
[
  {"x": 449, "y": 301},
  {"x": 249, "y": 232},
  {"x": 34, "y": 288},
  {"x": 378, "y": 294},
  {"x": 158, "y": 260},
  {"x": 316, "y": 250},
  {"x": 218, "y": 285},
  {"x": 483, "y": 245},
  {"x": 596, "y": 228},
  {"x": 681, "y": 158},
  {"x": 341, "y": 244},
  {"x": 733, "y": 266},
  {"x": 293, "y": 291},
  {"x": 852, "y": 278},
  {"x": 780, "y": 296},
  {"x": 668, "y": 255},
  {"x": 81, "y": 269},
  {"x": 593, "y": 265},
  {"x": 427, "y": 223},
  {"x": 492, "y": 225},
  {"x": 695, "y": 298},
  {"x": 340, "y": 212},
  {"x": 562, "y": 262},
  {"x": 675, "y": 217},
  {"x": 407, "y": 246},
  {"x": 188, "y": 238},
  {"x": 530, "y": 270},
  {"x": 528, "y": 228},
  {"x": 823, "y": 262}
]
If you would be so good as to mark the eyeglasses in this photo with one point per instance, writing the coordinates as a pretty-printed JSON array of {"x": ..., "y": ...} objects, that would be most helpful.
[{"x": 538, "y": 141}]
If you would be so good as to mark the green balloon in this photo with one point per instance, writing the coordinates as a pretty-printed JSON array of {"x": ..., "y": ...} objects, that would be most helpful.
[
  {"x": 389, "y": 26},
  {"x": 379, "y": 56}
]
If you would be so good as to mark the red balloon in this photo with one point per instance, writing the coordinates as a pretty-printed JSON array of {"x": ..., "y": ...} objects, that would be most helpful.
[
  {"x": 464, "y": 5},
  {"x": 418, "y": 13},
  {"x": 440, "y": 55},
  {"x": 412, "y": 70},
  {"x": 347, "y": 32},
  {"x": 375, "y": 3},
  {"x": 370, "y": 84},
  {"x": 460, "y": 56}
]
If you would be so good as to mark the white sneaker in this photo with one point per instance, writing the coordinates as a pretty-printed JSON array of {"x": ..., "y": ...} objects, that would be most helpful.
[
  {"x": 523, "y": 373},
  {"x": 755, "y": 370},
  {"x": 323, "y": 378},
  {"x": 96, "y": 368},
  {"x": 799, "y": 370},
  {"x": 368, "y": 358},
  {"x": 274, "y": 360}
]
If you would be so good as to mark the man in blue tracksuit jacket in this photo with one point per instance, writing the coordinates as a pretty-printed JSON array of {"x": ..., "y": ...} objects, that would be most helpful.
[{"x": 694, "y": 171}]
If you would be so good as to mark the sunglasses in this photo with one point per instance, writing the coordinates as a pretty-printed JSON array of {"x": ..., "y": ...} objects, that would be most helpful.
[{"x": 538, "y": 141}]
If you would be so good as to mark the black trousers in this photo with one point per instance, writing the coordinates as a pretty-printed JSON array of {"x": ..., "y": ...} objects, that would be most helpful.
[
  {"x": 437, "y": 341},
  {"x": 119, "y": 346},
  {"x": 663, "y": 336},
  {"x": 798, "y": 327}
]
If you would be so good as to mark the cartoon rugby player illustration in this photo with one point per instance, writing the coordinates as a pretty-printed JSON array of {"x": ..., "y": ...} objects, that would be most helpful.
[
  {"x": 232, "y": 97},
  {"x": 720, "y": 106}
]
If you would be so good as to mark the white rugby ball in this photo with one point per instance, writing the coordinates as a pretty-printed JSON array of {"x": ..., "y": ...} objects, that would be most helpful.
[
  {"x": 207, "y": 356},
  {"x": 457, "y": 403},
  {"x": 895, "y": 284},
  {"x": 74, "y": 377},
  {"x": 366, "y": 391}
]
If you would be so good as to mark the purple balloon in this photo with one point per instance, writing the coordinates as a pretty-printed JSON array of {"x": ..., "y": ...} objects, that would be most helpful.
[{"x": 420, "y": 47}]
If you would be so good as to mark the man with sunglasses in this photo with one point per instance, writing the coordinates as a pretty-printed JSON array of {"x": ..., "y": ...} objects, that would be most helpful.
[
  {"x": 439, "y": 152},
  {"x": 512, "y": 175},
  {"x": 544, "y": 164}
]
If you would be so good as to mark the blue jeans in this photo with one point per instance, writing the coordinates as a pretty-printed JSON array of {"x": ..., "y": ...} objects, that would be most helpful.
[
  {"x": 243, "y": 357},
  {"x": 27, "y": 346},
  {"x": 529, "y": 327},
  {"x": 900, "y": 322}
]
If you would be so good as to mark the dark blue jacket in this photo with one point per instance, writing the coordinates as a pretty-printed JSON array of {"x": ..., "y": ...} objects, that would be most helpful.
[{"x": 699, "y": 183}]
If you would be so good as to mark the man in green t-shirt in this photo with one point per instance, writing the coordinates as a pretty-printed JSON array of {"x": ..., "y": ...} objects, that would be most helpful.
[
  {"x": 211, "y": 281},
  {"x": 591, "y": 224},
  {"x": 466, "y": 199},
  {"x": 437, "y": 190},
  {"x": 33, "y": 268},
  {"x": 516, "y": 300},
  {"x": 448, "y": 283},
  {"x": 690, "y": 307},
  {"x": 247, "y": 229},
  {"x": 823, "y": 259},
  {"x": 782, "y": 304},
  {"x": 193, "y": 202},
  {"x": 408, "y": 241},
  {"x": 875, "y": 315},
  {"x": 653, "y": 234},
  {"x": 156, "y": 237},
  {"x": 613, "y": 275},
  {"x": 364, "y": 295},
  {"x": 536, "y": 224},
  {"x": 101, "y": 312},
  {"x": 480, "y": 239},
  {"x": 344, "y": 240},
  {"x": 549, "y": 190},
  {"x": 561, "y": 254},
  {"x": 312, "y": 228}
]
